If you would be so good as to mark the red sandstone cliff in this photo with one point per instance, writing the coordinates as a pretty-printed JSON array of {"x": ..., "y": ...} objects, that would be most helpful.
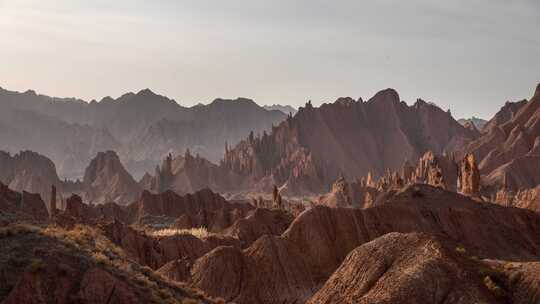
[
  {"x": 106, "y": 180},
  {"x": 308, "y": 151}
]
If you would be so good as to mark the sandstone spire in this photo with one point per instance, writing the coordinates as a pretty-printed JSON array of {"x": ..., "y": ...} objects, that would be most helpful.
[
  {"x": 277, "y": 197},
  {"x": 52, "y": 212},
  {"x": 369, "y": 180},
  {"x": 469, "y": 176}
]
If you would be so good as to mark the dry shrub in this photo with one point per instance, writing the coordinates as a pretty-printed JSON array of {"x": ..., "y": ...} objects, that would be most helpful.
[{"x": 201, "y": 233}]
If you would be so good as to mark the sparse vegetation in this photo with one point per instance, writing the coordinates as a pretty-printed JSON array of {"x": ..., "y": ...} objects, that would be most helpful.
[
  {"x": 12, "y": 230},
  {"x": 461, "y": 249},
  {"x": 101, "y": 259},
  {"x": 493, "y": 287},
  {"x": 90, "y": 247},
  {"x": 200, "y": 233}
]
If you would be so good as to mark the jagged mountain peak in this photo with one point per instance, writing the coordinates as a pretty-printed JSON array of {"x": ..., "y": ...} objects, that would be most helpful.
[
  {"x": 235, "y": 102},
  {"x": 386, "y": 95},
  {"x": 106, "y": 180}
]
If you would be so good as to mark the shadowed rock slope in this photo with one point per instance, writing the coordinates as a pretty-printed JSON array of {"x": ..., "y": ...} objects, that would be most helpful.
[
  {"x": 106, "y": 180},
  {"x": 307, "y": 152},
  {"x": 142, "y": 127},
  {"x": 405, "y": 268},
  {"x": 320, "y": 239},
  {"x": 29, "y": 171},
  {"x": 15, "y": 207},
  {"x": 510, "y": 144},
  {"x": 58, "y": 266}
]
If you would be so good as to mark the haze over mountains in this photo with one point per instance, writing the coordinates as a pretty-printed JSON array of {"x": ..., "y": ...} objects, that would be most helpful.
[
  {"x": 141, "y": 127},
  {"x": 354, "y": 201}
]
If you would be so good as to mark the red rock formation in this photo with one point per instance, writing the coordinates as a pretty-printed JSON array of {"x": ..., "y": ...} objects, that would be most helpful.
[
  {"x": 177, "y": 270},
  {"x": 258, "y": 223},
  {"x": 52, "y": 208},
  {"x": 137, "y": 246},
  {"x": 268, "y": 271},
  {"x": 435, "y": 170},
  {"x": 43, "y": 267},
  {"x": 294, "y": 265},
  {"x": 29, "y": 171},
  {"x": 189, "y": 248},
  {"x": 525, "y": 198},
  {"x": 202, "y": 209},
  {"x": 522, "y": 281},
  {"x": 404, "y": 268},
  {"x": 469, "y": 176},
  {"x": 77, "y": 209},
  {"x": 509, "y": 136},
  {"x": 307, "y": 152},
  {"x": 106, "y": 180},
  {"x": 15, "y": 206},
  {"x": 359, "y": 194},
  {"x": 340, "y": 195},
  {"x": 188, "y": 174}
]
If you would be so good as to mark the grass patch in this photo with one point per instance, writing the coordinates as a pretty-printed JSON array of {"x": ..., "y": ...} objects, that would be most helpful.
[
  {"x": 85, "y": 247},
  {"x": 461, "y": 249},
  {"x": 201, "y": 233}
]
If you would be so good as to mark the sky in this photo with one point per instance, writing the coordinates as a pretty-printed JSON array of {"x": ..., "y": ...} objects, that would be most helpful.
[{"x": 469, "y": 56}]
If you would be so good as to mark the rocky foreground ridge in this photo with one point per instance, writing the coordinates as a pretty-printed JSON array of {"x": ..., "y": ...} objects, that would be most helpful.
[{"x": 423, "y": 242}]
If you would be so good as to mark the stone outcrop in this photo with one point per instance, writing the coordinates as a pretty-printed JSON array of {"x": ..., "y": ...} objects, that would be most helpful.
[
  {"x": 404, "y": 268},
  {"x": 137, "y": 246},
  {"x": 521, "y": 281},
  {"x": 259, "y": 222},
  {"x": 105, "y": 180},
  {"x": 307, "y": 152},
  {"x": 436, "y": 170},
  {"x": 31, "y": 172},
  {"x": 525, "y": 198},
  {"x": 294, "y": 265},
  {"x": 201, "y": 209},
  {"x": 52, "y": 205},
  {"x": 511, "y": 135},
  {"x": 268, "y": 271},
  {"x": 469, "y": 176},
  {"x": 358, "y": 194},
  {"x": 44, "y": 266},
  {"x": 474, "y": 122},
  {"x": 15, "y": 206},
  {"x": 187, "y": 174}
]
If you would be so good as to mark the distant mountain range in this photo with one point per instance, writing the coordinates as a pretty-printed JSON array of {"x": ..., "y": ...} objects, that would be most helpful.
[
  {"x": 307, "y": 152},
  {"x": 202, "y": 146},
  {"x": 478, "y": 123},
  {"x": 142, "y": 128},
  {"x": 285, "y": 109}
]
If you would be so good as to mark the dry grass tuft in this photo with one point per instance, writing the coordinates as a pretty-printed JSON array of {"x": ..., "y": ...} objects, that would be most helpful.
[{"x": 201, "y": 233}]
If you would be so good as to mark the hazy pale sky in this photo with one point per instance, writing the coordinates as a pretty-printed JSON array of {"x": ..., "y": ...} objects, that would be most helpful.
[{"x": 467, "y": 55}]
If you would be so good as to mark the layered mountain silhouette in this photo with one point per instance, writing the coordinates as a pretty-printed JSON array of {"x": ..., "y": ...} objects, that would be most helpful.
[
  {"x": 142, "y": 128},
  {"x": 351, "y": 202},
  {"x": 286, "y": 109},
  {"x": 478, "y": 123},
  {"x": 509, "y": 151},
  {"x": 307, "y": 152}
]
